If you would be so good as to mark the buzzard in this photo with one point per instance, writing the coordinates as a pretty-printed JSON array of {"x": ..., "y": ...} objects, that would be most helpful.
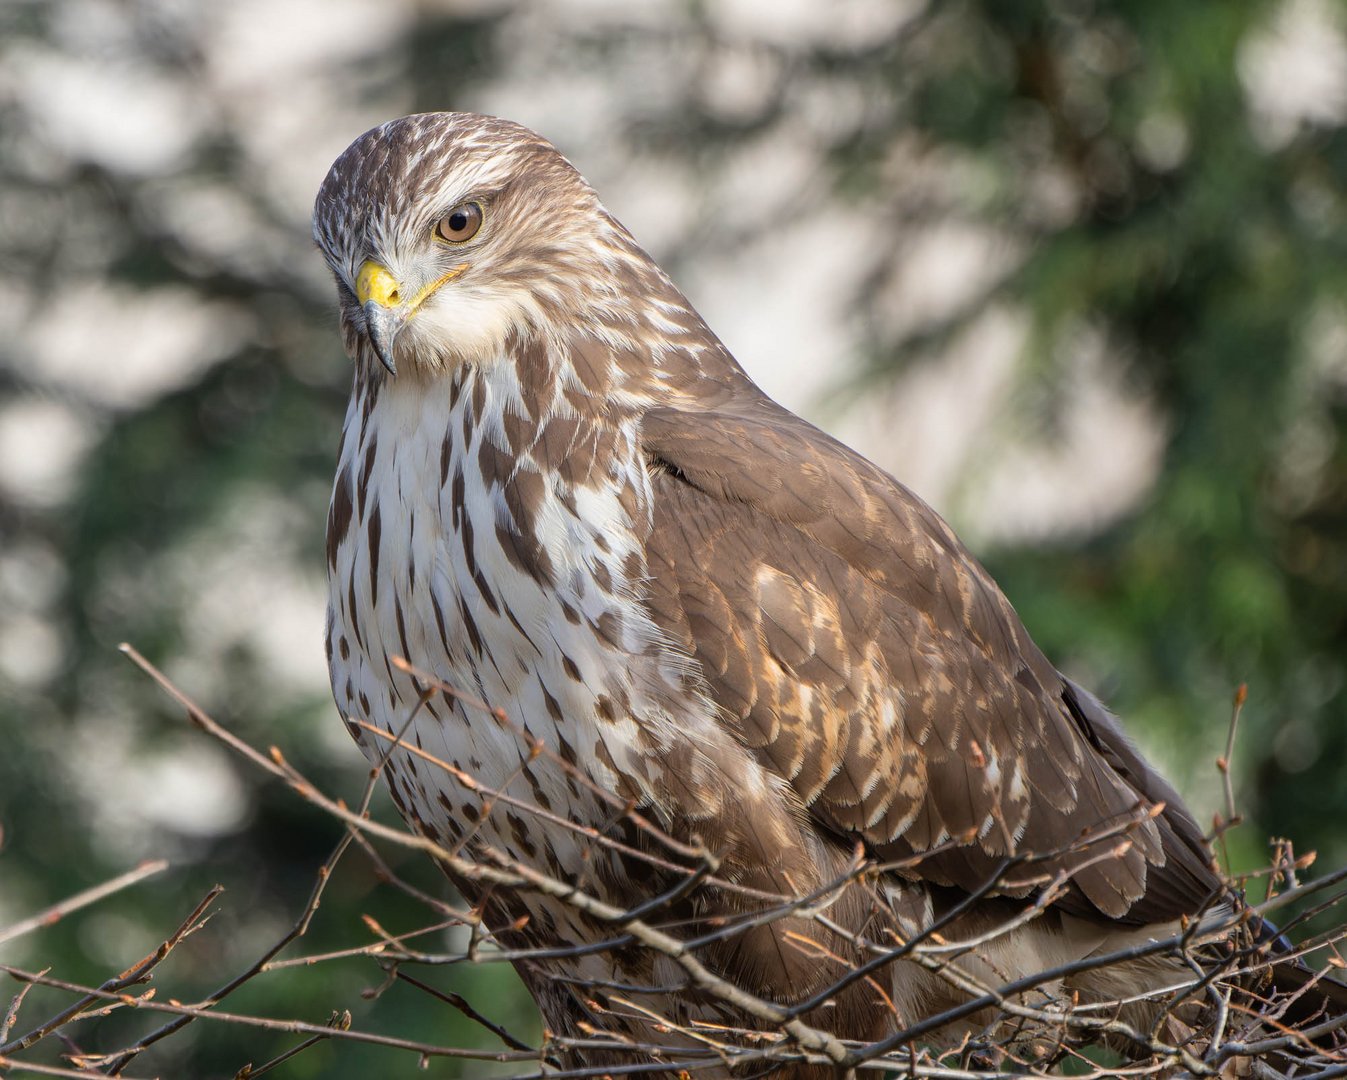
[{"x": 560, "y": 494}]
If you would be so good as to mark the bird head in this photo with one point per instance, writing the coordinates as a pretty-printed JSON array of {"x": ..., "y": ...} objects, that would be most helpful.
[{"x": 449, "y": 232}]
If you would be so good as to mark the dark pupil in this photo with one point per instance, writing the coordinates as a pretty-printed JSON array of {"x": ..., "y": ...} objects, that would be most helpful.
[{"x": 458, "y": 221}]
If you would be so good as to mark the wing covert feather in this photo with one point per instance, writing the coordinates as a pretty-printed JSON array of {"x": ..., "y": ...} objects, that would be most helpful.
[{"x": 858, "y": 649}]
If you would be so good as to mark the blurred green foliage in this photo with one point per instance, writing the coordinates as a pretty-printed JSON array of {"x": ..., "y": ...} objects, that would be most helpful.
[{"x": 1206, "y": 247}]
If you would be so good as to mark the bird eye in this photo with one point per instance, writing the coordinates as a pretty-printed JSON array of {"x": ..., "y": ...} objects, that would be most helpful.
[{"x": 460, "y": 224}]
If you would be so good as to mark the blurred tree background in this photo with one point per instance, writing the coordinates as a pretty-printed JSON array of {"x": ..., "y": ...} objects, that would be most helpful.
[{"x": 1072, "y": 270}]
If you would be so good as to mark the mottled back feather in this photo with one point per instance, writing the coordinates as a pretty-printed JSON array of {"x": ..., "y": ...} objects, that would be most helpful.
[{"x": 854, "y": 643}]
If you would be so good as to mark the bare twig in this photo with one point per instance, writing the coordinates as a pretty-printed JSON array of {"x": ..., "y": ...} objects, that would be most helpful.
[{"x": 57, "y": 912}]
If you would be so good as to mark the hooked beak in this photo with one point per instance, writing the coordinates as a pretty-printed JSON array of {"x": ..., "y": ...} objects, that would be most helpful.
[
  {"x": 385, "y": 314},
  {"x": 384, "y": 324},
  {"x": 386, "y": 309}
]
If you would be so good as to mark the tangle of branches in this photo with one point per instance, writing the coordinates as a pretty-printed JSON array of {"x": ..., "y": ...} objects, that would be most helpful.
[{"x": 1225, "y": 1019}]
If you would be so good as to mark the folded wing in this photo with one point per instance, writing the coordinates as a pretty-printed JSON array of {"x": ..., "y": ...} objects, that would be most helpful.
[{"x": 860, "y": 651}]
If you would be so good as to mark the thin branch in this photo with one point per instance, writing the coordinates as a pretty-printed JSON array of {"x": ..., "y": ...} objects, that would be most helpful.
[{"x": 57, "y": 912}]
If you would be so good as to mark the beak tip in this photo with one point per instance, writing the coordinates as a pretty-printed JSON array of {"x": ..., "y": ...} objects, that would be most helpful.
[
  {"x": 382, "y": 326},
  {"x": 386, "y": 358}
]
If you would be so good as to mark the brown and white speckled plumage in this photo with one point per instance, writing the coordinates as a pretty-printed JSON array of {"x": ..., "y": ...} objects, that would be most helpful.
[{"x": 571, "y": 502}]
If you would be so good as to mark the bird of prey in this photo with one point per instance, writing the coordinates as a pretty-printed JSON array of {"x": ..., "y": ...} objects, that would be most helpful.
[{"x": 560, "y": 494}]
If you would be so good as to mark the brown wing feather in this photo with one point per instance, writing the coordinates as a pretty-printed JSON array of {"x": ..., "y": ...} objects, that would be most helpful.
[{"x": 857, "y": 647}]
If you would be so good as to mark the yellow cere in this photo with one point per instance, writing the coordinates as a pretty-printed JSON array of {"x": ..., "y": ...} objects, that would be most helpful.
[{"x": 374, "y": 282}]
